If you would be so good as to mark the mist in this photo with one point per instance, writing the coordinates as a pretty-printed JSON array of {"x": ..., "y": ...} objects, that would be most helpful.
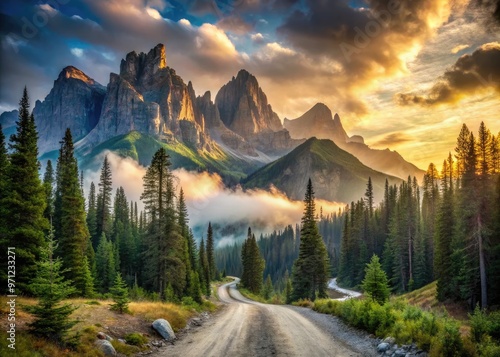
[{"x": 230, "y": 210}]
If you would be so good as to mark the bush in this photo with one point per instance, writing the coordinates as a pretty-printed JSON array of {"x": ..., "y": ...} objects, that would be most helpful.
[
  {"x": 480, "y": 325},
  {"x": 136, "y": 339},
  {"x": 447, "y": 343},
  {"x": 303, "y": 303}
]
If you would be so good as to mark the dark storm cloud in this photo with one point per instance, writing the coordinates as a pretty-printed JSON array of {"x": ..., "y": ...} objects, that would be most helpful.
[{"x": 472, "y": 73}]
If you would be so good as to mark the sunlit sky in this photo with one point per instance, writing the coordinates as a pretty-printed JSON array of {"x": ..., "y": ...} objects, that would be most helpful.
[{"x": 403, "y": 74}]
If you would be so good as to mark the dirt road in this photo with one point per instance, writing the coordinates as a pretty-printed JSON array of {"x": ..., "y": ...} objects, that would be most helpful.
[{"x": 248, "y": 328}]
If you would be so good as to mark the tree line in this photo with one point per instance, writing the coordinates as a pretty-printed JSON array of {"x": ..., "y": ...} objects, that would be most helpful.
[
  {"x": 95, "y": 242},
  {"x": 447, "y": 230}
]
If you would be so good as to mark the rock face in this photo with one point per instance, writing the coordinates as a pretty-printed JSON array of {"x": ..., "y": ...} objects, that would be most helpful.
[
  {"x": 74, "y": 102},
  {"x": 244, "y": 108},
  {"x": 151, "y": 98},
  {"x": 318, "y": 122},
  {"x": 8, "y": 119},
  {"x": 217, "y": 130},
  {"x": 164, "y": 329}
]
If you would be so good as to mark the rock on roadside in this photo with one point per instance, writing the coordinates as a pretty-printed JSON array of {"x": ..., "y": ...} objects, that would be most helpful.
[
  {"x": 163, "y": 327},
  {"x": 106, "y": 347}
]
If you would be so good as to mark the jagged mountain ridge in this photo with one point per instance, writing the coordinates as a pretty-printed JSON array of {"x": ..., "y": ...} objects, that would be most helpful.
[{"x": 148, "y": 97}]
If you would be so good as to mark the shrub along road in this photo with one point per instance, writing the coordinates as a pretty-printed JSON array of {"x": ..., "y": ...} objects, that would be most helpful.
[{"x": 247, "y": 328}]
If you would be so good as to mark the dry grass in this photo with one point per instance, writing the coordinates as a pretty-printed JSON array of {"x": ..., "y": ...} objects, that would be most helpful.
[
  {"x": 93, "y": 316},
  {"x": 425, "y": 298},
  {"x": 150, "y": 311}
]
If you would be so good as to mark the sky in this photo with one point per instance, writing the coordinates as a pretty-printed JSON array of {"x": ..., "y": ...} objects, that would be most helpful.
[{"x": 403, "y": 74}]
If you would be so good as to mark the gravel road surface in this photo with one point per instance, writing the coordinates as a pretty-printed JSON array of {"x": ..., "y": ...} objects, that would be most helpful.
[{"x": 247, "y": 328}]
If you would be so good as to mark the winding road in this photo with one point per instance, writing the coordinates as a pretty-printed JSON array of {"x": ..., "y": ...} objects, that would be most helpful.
[{"x": 247, "y": 328}]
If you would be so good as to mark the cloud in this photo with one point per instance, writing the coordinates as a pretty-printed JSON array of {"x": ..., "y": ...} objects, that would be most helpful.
[
  {"x": 110, "y": 30},
  {"x": 393, "y": 139},
  {"x": 474, "y": 73},
  {"x": 235, "y": 24},
  {"x": 208, "y": 200},
  {"x": 459, "y": 48},
  {"x": 369, "y": 44}
]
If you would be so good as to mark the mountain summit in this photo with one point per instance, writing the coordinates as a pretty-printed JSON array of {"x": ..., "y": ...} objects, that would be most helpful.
[
  {"x": 244, "y": 108},
  {"x": 317, "y": 122}
]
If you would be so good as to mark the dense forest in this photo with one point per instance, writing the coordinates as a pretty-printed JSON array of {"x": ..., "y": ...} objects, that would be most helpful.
[
  {"x": 93, "y": 243},
  {"x": 447, "y": 229}
]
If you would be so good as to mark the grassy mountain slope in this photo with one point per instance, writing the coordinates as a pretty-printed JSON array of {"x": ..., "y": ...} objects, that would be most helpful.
[
  {"x": 336, "y": 174},
  {"x": 141, "y": 147}
]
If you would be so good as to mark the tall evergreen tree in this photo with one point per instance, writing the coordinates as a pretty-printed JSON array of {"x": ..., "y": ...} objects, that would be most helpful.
[
  {"x": 210, "y": 251},
  {"x": 310, "y": 273},
  {"x": 92, "y": 216},
  {"x": 105, "y": 264},
  {"x": 165, "y": 245},
  {"x": 4, "y": 166},
  {"x": 103, "y": 209},
  {"x": 48, "y": 185},
  {"x": 25, "y": 200},
  {"x": 73, "y": 234},
  {"x": 204, "y": 269},
  {"x": 253, "y": 264}
]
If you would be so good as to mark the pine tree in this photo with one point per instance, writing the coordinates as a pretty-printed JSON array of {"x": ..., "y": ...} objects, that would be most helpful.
[
  {"x": 369, "y": 196},
  {"x": 103, "y": 208},
  {"x": 4, "y": 168},
  {"x": 204, "y": 270},
  {"x": 73, "y": 234},
  {"x": 51, "y": 318},
  {"x": 119, "y": 291},
  {"x": 210, "y": 251},
  {"x": 24, "y": 202},
  {"x": 310, "y": 273},
  {"x": 92, "y": 216},
  {"x": 165, "y": 245},
  {"x": 105, "y": 264},
  {"x": 268, "y": 288},
  {"x": 48, "y": 185},
  {"x": 375, "y": 284}
]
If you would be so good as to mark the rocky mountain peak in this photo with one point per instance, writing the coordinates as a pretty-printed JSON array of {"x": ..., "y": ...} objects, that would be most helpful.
[
  {"x": 75, "y": 73},
  {"x": 317, "y": 122},
  {"x": 244, "y": 108},
  {"x": 135, "y": 66}
]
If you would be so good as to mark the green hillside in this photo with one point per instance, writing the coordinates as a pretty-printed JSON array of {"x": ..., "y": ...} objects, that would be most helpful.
[
  {"x": 336, "y": 174},
  {"x": 141, "y": 147}
]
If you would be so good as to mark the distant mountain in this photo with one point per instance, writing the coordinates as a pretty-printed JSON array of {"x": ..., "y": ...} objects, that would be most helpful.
[
  {"x": 336, "y": 174},
  {"x": 74, "y": 102},
  {"x": 147, "y": 105},
  {"x": 318, "y": 122},
  {"x": 244, "y": 109},
  {"x": 8, "y": 122}
]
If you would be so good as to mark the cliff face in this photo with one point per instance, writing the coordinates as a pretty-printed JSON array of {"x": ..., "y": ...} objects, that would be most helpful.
[
  {"x": 151, "y": 98},
  {"x": 74, "y": 102},
  {"x": 244, "y": 108}
]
